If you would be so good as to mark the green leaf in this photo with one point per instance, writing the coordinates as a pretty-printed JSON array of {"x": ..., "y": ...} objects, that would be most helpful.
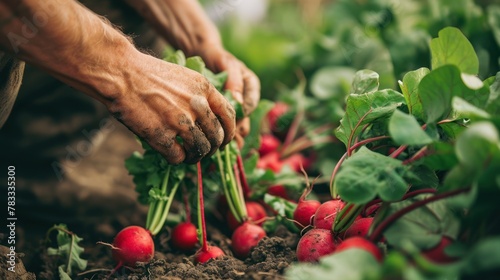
[
  {"x": 423, "y": 227},
  {"x": 422, "y": 176},
  {"x": 484, "y": 257},
  {"x": 195, "y": 63},
  {"x": 352, "y": 264},
  {"x": 437, "y": 89},
  {"x": 476, "y": 144},
  {"x": 493, "y": 105},
  {"x": 367, "y": 174},
  {"x": 332, "y": 82},
  {"x": 365, "y": 108},
  {"x": 409, "y": 87},
  {"x": 62, "y": 274},
  {"x": 365, "y": 81},
  {"x": 475, "y": 148},
  {"x": 494, "y": 21},
  {"x": 284, "y": 210},
  {"x": 177, "y": 57},
  {"x": 68, "y": 249},
  {"x": 440, "y": 156},
  {"x": 453, "y": 48},
  {"x": 464, "y": 110},
  {"x": 405, "y": 130}
]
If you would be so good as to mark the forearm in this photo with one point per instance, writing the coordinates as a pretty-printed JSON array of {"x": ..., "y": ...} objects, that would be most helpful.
[
  {"x": 68, "y": 41},
  {"x": 183, "y": 24}
]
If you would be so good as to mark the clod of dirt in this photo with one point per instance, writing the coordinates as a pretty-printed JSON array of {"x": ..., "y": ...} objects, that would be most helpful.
[{"x": 19, "y": 272}]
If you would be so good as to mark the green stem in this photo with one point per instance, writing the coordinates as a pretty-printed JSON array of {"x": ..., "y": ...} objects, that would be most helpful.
[
  {"x": 151, "y": 211},
  {"x": 157, "y": 211},
  {"x": 166, "y": 210},
  {"x": 241, "y": 214},
  {"x": 343, "y": 220},
  {"x": 225, "y": 186}
]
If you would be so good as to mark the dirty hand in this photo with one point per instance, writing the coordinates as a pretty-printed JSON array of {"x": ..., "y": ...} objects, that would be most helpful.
[
  {"x": 241, "y": 81},
  {"x": 166, "y": 101}
]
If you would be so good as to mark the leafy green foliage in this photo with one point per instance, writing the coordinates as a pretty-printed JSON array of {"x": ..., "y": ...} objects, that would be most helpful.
[
  {"x": 284, "y": 210},
  {"x": 423, "y": 227},
  {"x": 366, "y": 108},
  {"x": 68, "y": 249},
  {"x": 367, "y": 174},
  {"x": 338, "y": 266},
  {"x": 405, "y": 130},
  {"x": 453, "y": 48}
]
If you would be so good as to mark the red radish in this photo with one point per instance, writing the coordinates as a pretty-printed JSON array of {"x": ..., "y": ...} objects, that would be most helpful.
[
  {"x": 437, "y": 254},
  {"x": 360, "y": 243},
  {"x": 131, "y": 245},
  {"x": 185, "y": 236},
  {"x": 295, "y": 161},
  {"x": 278, "y": 191},
  {"x": 206, "y": 252},
  {"x": 255, "y": 212},
  {"x": 270, "y": 161},
  {"x": 212, "y": 252},
  {"x": 245, "y": 237},
  {"x": 326, "y": 212},
  {"x": 359, "y": 227},
  {"x": 315, "y": 244},
  {"x": 273, "y": 116},
  {"x": 304, "y": 211},
  {"x": 268, "y": 144}
]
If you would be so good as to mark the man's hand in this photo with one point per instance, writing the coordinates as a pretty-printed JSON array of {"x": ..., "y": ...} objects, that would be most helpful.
[
  {"x": 241, "y": 81},
  {"x": 185, "y": 25},
  {"x": 166, "y": 101},
  {"x": 176, "y": 110}
]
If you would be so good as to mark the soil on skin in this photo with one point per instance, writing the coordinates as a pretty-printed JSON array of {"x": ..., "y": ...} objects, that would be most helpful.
[{"x": 266, "y": 261}]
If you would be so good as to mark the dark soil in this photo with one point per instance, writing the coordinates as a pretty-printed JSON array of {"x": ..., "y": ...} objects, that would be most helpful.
[{"x": 266, "y": 261}]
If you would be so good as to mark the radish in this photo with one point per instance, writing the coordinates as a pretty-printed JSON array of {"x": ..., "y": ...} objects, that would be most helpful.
[
  {"x": 315, "y": 244},
  {"x": 274, "y": 115},
  {"x": 206, "y": 252},
  {"x": 304, "y": 211},
  {"x": 271, "y": 161},
  {"x": 295, "y": 161},
  {"x": 326, "y": 212},
  {"x": 279, "y": 191},
  {"x": 131, "y": 245},
  {"x": 211, "y": 252},
  {"x": 245, "y": 237},
  {"x": 437, "y": 254},
  {"x": 268, "y": 144},
  {"x": 359, "y": 227},
  {"x": 360, "y": 243},
  {"x": 305, "y": 208},
  {"x": 255, "y": 212},
  {"x": 185, "y": 236}
]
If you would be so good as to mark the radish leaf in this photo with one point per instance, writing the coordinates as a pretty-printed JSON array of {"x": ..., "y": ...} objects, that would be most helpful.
[
  {"x": 365, "y": 81},
  {"x": 342, "y": 265},
  {"x": 366, "y": 108},
  {"x": 453, "y": 48},
  {"x": 367, "y": 174},
  {"x": 409, "y": 87},
  {"x": 405, "y": 130},
  {"x": 423, "y": 227},
  {"x": 67, "y": 248}
]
